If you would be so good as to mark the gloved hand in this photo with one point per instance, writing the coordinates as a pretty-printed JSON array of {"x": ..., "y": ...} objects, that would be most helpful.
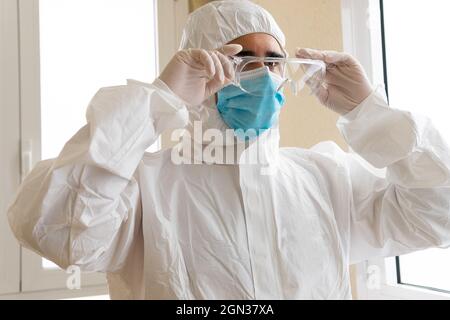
[
  {"x": 196, "y": 74},
  {"x": 345, "y": 85}
]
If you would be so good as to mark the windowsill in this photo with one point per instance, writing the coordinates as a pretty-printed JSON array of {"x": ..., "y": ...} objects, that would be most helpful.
[{"x": 406, "y": 292}]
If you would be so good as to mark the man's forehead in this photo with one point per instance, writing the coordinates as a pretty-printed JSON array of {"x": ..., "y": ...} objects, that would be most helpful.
[{"x": 259, "y": 44}]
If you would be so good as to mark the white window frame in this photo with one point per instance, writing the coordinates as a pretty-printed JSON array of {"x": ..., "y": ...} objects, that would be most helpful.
[
  {"x": 21, "y": 271},
  {"x": 9, "y": 142},
  {"x": 361, "y": 28}
]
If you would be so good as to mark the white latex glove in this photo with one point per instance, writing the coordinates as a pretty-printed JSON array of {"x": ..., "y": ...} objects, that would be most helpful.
[
  {"x": 346, "y": 84},
  {"x": 196, "y": 74}
]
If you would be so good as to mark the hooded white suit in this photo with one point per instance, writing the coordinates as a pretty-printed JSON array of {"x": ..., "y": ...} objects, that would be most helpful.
[{"x": 164, "y": 231}]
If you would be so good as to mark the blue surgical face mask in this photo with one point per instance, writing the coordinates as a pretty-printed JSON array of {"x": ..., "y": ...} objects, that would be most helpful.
[{"x": 245, "y": 111}]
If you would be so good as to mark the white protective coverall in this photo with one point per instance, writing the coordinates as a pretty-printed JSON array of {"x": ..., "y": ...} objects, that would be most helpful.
[{"x": 166, "y": 231}]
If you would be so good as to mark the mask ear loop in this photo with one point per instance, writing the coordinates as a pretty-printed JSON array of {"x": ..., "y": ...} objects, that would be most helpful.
[{"x": 285, "y": 81}]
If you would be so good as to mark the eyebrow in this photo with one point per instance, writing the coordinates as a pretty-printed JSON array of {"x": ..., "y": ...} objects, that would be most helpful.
[
  {"x": 269, "y": 54},
  {"x": 273, "y": 54}
]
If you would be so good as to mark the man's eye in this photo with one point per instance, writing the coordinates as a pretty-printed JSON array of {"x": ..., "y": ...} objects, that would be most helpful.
[{"x": 271, "y": 65}]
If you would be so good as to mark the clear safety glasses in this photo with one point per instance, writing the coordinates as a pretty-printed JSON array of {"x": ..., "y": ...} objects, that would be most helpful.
[{"x": 294, "y": 73}]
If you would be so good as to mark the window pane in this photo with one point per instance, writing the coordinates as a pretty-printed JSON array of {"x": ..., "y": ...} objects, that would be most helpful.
[
  {"x": 86, "y": 45},
  {"x": 417, "y": 76},
  {"x": 430, "y": 268},
  {"x": 417, "y": 81}
]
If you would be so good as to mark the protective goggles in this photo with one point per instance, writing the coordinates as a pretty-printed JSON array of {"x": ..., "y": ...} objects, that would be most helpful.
[{"x": 295, "y": 73}]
